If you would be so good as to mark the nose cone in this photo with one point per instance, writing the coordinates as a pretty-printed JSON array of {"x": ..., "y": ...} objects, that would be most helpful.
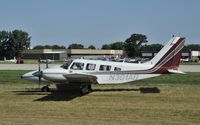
[
  {"x": 38, "y": 73},
  {"x": 33, "y": 77},
  {"x": 29, "y": 75}
]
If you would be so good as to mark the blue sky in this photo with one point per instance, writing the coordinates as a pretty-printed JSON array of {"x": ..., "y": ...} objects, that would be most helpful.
[{"x": 101, "y": 21}]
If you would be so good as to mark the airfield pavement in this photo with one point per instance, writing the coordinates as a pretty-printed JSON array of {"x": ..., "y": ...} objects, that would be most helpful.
[
  {"x": 184, "y": 68},
  {"x": 23, "y": 66}
]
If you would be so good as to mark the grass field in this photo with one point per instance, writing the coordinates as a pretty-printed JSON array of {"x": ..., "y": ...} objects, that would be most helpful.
[
  {"x": 177, "y": 104},
  {"x": 190, "y": 63}
]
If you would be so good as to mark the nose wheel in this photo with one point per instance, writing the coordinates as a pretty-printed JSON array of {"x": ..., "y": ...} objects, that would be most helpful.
[{"x": 45, "y": 89}]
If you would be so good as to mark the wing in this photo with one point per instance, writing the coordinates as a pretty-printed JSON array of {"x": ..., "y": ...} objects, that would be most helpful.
[{"x": 80, "y": 78}]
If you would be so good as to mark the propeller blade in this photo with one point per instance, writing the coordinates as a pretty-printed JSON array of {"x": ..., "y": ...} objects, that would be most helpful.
[
  {"x": 39, "y": 81},
  {"x": 47, "y": 62},
  {"x": 39, "y": 64},
  {"x": 39, "y": 74}
]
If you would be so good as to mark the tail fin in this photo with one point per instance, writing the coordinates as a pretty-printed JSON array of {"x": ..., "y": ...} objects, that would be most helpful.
[{"x": 169, "y": 56}]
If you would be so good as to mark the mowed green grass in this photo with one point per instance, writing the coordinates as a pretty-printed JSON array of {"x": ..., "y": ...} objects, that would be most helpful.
[
  {"x": 177, "y": 104},
  {"x": 190, "y": 63}
]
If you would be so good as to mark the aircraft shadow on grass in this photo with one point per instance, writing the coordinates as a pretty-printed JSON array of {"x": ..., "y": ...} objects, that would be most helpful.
[
  {"x": 55, "y": 95},
  {"x": 60, "y": 96},
  {"x": 142, "y": 90}
]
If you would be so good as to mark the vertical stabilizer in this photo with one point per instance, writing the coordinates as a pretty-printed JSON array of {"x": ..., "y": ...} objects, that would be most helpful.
[{"x": 169, "y": 56}]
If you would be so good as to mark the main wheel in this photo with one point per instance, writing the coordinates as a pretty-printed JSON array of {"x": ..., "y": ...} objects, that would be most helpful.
[
  {"x": 84, "y": 89},
  {"x": 45, "y": 89},
  {"x": 89, "y": 88}
]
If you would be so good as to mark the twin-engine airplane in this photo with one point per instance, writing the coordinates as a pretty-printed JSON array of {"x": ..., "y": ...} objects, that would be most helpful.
[
  {"x": 82, "y": 73},
  {"x": 10, "y": 60}
]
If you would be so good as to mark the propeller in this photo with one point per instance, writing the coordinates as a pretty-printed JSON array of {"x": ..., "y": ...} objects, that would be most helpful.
[
  {"x": 47, "y": 63},
  {"x": 38, "y": 73}
]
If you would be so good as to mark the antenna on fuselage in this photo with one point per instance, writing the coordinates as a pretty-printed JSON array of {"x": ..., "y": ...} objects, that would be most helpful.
[
  {"x": 47, "y": 63},
  {"x": 39, "y": 72}
]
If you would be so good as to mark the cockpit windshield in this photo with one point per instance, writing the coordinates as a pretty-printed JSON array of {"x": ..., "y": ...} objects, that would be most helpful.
[
  {"x": 66, "y": 65},
  {"x": 77, "y": 66}
]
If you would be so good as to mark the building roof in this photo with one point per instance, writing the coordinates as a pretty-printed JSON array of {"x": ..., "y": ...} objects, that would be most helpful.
[
  {"x": 43, "y": 51},
  {"x": 93, "y": 52},
  {"x": 74, "y": 51}
]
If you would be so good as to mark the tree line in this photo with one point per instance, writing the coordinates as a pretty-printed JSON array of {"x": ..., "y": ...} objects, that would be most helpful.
[
  {"x": 132, "y": 46},
  {"x": 71, "y": 46},
  {"x": 49, "y": 47},
  {"x": 12, "y": 43}
]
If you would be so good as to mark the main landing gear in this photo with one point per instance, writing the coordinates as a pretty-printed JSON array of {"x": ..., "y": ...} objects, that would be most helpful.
[
  {"x": 74, "y": 88},
  {"x": 84, "y": 89},
  {"x": 45, "y": 88}
]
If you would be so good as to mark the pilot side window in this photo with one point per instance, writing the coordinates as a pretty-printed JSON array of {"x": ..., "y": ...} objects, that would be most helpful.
[
  {"x": 90, "y": 66},
  {"x": 66, "y": 65},
  {"x": 117, "y": 69},
  {"x": 77, "y": 66},
  {"x": 105, "y": 68}
]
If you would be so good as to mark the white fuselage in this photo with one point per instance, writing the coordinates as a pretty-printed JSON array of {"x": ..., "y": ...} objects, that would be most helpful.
[
  {"x": 104, "y": 76},
  {"x": 10, "y": 60}
]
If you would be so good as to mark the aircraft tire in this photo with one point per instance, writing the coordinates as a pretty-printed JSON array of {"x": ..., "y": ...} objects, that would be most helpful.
[
  {"x": 45, "y": 89},
  {"x": 84, "y": 90}
]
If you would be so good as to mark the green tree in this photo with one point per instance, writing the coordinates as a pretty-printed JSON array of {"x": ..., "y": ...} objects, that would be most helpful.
[
  {"x": 91, "y": 47},
  {"x": 133, "y": 43},
  {"x": 49, "y": 47},
  {"x": 192, "y": 47},
  {"x": 106, "y": 46},
  {"x": 57, "y": 47},
  {"x": 12, "y": 43},
  {"x": 117, "y": 45},
  {"x": 5, "y": 41},
  {"x": 38, "y": 47},
  {"x": 152, "y": 47},
  {"x": 75, "y": 46},
  {"x": 20, "y": 40}
]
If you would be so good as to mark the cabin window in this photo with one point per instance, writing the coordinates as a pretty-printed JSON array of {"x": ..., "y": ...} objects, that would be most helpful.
[
  {"x": 105, "y": 68},
  {"x": 117, "y": 69},
  {"x": 90, "y": 66},
  {"x": 77, "y": 66}
]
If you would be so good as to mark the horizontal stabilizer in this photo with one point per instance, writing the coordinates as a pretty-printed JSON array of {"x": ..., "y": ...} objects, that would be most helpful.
[{"x": 175, "y": 71}]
